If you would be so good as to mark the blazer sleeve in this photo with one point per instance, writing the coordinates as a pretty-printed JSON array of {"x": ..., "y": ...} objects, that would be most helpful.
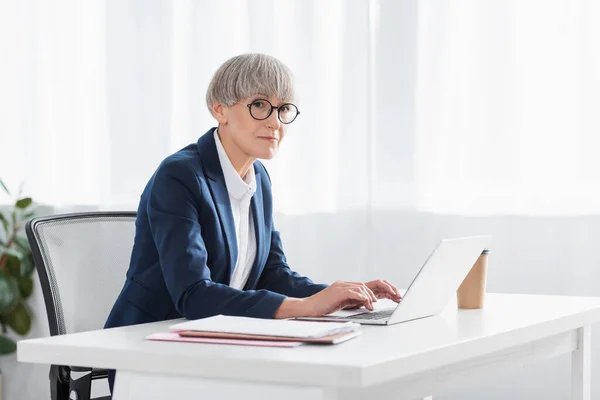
[
  {"x": 173, "y": 215},
  {"x": 278, "y": 277}
]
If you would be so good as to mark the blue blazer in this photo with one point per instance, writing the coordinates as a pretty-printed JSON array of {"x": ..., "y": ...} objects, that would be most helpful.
[{"x": 185, "y": 247}]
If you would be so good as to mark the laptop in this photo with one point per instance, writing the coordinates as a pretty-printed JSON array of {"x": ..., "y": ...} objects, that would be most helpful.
[{"x": 432, "y": 288}]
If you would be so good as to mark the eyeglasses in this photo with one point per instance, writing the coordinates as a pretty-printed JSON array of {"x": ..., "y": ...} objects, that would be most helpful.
[{"x": 261, "y": 109}]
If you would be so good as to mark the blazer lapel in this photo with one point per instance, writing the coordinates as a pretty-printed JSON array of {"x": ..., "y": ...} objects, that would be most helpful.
[
  {"x": 259, "y": 230},
  {"x": 218, "y": 188}
]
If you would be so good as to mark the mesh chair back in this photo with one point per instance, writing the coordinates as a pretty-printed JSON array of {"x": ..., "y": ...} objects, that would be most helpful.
[{"x": 81, "y": 261}]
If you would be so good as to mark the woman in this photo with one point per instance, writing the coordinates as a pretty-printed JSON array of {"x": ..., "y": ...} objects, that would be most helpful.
[{"x": 205, "y": 243}]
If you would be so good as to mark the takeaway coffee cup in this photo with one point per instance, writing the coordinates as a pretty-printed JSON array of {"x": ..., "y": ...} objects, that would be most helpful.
[{"x": 471, "y": 293}]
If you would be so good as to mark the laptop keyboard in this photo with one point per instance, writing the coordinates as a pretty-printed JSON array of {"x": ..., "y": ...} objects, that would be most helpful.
[{"x": 383, "y": 314}]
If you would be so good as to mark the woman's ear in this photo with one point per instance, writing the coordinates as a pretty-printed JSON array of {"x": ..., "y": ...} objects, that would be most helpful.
[{"x": 219, "y": 111}]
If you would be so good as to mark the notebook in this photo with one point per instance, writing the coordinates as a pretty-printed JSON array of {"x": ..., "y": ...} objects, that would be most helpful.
[
  {"x": 329, "y": 339},
  {"x": 175, "y": 337},
  {"x": 266, "y": 327}
]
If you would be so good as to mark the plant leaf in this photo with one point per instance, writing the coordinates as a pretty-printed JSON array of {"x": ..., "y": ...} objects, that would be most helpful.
[
  {"x": 7, "y": 345},
  {"x": 13, "y": 266},
  {"x": 11, "y": 252},
  {"x": 24, "y": 203},
  {"x": 3, "y": 186},
  {"x": 4, "y": 222},
  {"x": 9, "y": 293},
  {"x": 22, "y": 243},
  {"x": 26, "y": 286},
  {"x": 27, "y": 265},
  {"x": 19, "y": 319}
]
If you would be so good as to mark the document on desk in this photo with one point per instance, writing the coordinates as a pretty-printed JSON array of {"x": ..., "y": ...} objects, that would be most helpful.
[
  {"x": 175, "y": 337},
  {"x": 329, "y": 339},
  {"x": 267, "y": 327}
]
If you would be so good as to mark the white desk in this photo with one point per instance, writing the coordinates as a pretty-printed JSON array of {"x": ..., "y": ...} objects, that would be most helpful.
[{"x": 404, "y": 361}]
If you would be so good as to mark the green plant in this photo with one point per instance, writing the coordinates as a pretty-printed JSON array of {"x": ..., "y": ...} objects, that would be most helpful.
[{"x": 16, "y": 269}]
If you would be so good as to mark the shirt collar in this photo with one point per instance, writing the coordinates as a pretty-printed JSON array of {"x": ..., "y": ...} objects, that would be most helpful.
[{"x": 236, "y": 186}]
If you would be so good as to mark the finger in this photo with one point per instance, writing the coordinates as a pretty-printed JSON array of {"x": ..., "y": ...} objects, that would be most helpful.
[
  {"x": 369, "y": 299},
  {"x": 363, "y": 289},
  {"x": 393, "y": 298},
  {"x": 387, "y": 295},
  {"x": 366, "y": 289},
  {"x": 352, "y": 305},
  {"x": 368, "y": 292},
  {"x": 357, "y": 294},
  {"x": 388, "y": 288},
  {"x": 394, "y": 288}
]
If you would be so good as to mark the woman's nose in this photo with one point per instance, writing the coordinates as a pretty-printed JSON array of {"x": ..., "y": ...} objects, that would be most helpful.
[{"x": 273, "y": 120}]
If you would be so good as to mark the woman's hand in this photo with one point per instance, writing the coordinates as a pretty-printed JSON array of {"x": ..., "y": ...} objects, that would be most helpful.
[
  {"x": 340, "y": 295},
  {"x": 337, "y": 296},
  {"x": 382, "y": 289}
]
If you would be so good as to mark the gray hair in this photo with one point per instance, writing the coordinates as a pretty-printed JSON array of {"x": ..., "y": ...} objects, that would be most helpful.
[{"x": 247, "y": 75}]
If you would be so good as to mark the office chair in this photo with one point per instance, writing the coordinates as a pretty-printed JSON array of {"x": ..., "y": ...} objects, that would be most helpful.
[{"x": 81, "y": 260}]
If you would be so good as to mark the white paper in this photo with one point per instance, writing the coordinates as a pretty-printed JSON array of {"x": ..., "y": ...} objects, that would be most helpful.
[{"x": 269, "y": 327}]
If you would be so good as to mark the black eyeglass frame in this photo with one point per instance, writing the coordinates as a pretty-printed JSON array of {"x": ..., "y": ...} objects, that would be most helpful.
[{"x": 271, "y": 110}]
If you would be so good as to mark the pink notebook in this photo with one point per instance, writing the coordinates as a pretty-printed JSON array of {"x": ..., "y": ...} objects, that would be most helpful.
[{"x": 174, "y": 337}]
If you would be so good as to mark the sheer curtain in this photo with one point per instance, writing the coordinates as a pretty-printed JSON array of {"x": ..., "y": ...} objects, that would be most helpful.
[
  {"x": 507, "y": 102},
  {"x": 53, "y": 119},
  {"x": 459, "y": 107},
  {"x": 97, "y": 93}
]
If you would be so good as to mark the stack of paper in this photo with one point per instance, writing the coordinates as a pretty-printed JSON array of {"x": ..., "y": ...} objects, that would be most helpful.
[
  {"x": 258, "y": 331},
  {"x": 175, "y": 337},
  {"x": 267, "y": 327}
]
